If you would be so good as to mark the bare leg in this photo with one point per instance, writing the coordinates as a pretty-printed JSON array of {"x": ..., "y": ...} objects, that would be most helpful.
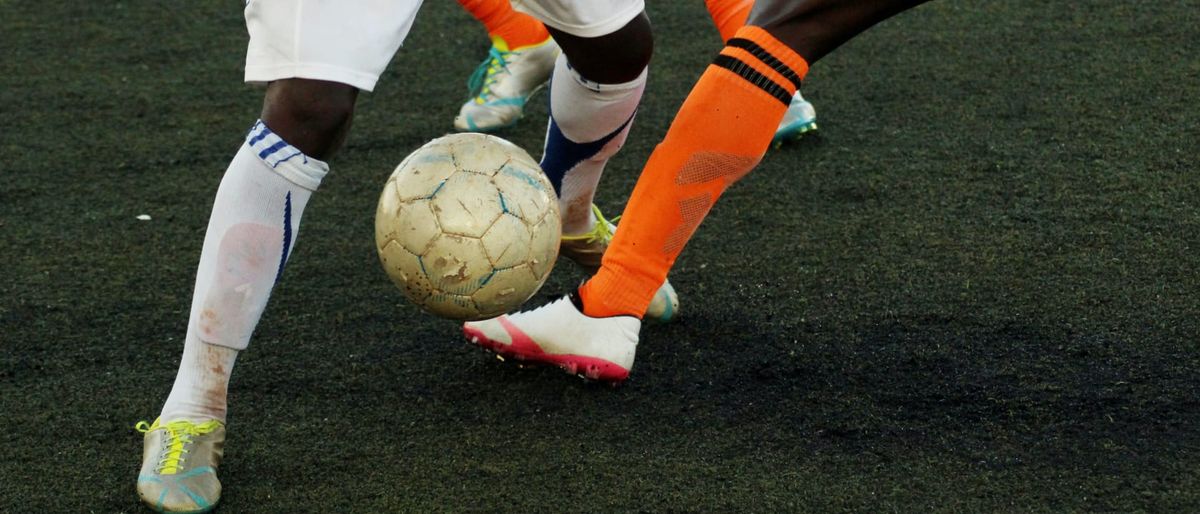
[
  {"x": 612, "y": 58},
  {"x": 312, "y": 115},
  {"x": 813, "y": 28}
]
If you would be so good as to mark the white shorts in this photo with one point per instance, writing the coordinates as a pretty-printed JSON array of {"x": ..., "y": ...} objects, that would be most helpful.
[
  {"x": 346, "y": 41},
  {"x": 583, "y": 18}
]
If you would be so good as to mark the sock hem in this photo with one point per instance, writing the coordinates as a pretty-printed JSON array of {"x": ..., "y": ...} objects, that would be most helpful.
[
  {"x": 284, "y": 159},
  {"x": 780, "y": 51}
]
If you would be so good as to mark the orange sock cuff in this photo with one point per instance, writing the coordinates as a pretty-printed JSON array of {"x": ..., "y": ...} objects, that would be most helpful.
[
  {"x": 600, "y": 299},
  {"x": 515, "y": 29},
  {"x": 620, "y": 291},
  {"x": 728, "y": 15},
  {"x": 771, "y": 52},
  {"x": 520, "y": 31}
]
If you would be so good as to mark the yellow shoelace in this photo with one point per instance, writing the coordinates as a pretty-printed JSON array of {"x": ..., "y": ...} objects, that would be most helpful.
[
  {"x": 178, "y": 434},
  {"x": 601, "y": 231},
  {"x": 480, "y": 82}
]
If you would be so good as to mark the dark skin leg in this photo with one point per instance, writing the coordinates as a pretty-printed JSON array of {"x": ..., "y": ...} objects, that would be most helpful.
[
  {"x": 612, "y": 58},
  {"x": 813, "y": 28},
  {"x": 312, "y": 115}
]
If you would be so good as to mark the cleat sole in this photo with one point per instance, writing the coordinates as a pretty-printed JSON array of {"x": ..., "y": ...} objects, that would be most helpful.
[
  {"x": 792, "y": 133},
  {"x": 525, "y": 351}
]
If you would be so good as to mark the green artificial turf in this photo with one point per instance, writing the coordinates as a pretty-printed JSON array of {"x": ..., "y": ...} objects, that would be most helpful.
[{"x": 974, "y": 289}]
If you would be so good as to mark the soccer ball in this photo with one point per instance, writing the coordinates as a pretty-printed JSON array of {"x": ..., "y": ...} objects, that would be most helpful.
[{"x": 468, "y": 226}]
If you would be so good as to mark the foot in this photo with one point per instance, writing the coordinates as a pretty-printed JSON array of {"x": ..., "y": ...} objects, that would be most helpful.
[
  {"x": 503, "y": 83},
  {"x": 799, "y": 119},
  {"x": 587, "y": 250},
  {"x": 179, "y": 465},
  {"x": 560, "y": 334}
]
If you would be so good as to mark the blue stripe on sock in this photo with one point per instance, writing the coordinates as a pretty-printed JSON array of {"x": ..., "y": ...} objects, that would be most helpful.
[
  {"x": 272, "y": 149},
  {"x": 261, "y": 135},
  {"x": 280, "y": 161},
  {"x": 562, "y": 154},
  {"x": 287, "y": 234}
]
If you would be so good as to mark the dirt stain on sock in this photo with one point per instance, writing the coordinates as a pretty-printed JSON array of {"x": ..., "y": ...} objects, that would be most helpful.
[
  {"x": 216, "y": 384},
  {"x": 208, "y": 322},
  {"x": 578, "y": 210}
]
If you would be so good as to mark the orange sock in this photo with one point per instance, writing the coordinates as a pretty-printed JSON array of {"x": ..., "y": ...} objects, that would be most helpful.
[
  {"x": 514, "y": 29},
  {"x": 728, "y": 15},
  {"x": 718, "y": 136}
]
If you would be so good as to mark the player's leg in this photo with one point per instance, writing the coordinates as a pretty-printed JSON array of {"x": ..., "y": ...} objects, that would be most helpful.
[
  {"x": 517, "y": 66},
  {"x": 254, "y": 220},
  {"x": 717, "y": 137},
  {"x": 257, "y": 209},
  {"x": 594, "y": 94},
  {"x": 813, "y": 28},
  {"x": 514, "y": 29},
  {"x": 801, "y": 117},
  {"x": 728, "y": 15},
  {"x": 254, "y": 223}
]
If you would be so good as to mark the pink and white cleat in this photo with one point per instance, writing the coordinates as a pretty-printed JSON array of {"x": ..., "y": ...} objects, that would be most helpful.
[{"x": 560, "y": 334}]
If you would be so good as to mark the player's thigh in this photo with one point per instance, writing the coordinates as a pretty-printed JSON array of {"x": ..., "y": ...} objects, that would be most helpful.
[
  {"x": 345, "y": 41},
  {"x": 583, "y": 18},
  {"x": 813, "y": 28}
]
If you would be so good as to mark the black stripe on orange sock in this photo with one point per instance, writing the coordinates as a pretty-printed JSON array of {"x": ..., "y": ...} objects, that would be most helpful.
[
  {"x": 770, "y": 60},
  {"x": 759, "y": 66},
  {"x": 754, "y": 77}
]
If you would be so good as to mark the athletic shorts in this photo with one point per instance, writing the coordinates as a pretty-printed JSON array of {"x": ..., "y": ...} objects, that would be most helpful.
[
  {"x": 352, "y": 41},
  {"x": 583, "y": 18},
  {"x": 346, "y": 41}
]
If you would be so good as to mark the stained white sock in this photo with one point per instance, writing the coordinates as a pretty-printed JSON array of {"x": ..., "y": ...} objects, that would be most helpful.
[
  {"x": 253, "y": 227},
  {"x": 588, "y": 124}
]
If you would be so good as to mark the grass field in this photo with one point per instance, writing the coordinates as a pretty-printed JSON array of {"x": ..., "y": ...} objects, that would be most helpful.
[{"x": 974, "y": 290}]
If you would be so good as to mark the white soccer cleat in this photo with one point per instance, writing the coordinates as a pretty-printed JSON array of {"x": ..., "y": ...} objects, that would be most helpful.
[
  {"x": 560, "y": 334},
  {"x": 800, "y": 119},
  {"x": 503, "y": 83},
  {"x": 587, "y": 250},
  {"x": 179, "y": 465}
]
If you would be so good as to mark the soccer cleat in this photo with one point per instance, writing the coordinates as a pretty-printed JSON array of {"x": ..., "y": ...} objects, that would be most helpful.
[
  {"x": 560, "y": 334},
  {"x": 800, "y": 119},
  {"x": 587, "y": 250},
  {"x": 503, "y": 83},
  {"x": 179, "y": 465}
]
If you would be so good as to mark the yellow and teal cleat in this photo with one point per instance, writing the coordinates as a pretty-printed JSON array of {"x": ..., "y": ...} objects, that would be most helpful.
[
  {"x": 800, "y": 119},
  {"x": 503, "y": 83},
  {"x": 179, "y": 465}
]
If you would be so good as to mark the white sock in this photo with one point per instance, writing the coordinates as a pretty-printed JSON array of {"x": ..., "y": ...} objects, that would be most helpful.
[
  {"x": 588, "y": 124},
  {"x": 253, "y": 227}
]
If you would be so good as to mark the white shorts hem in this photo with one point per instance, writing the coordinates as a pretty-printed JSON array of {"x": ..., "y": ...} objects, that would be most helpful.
[
  {"x": 603, "y": 28},
  {"x": 264, "y": 74}
]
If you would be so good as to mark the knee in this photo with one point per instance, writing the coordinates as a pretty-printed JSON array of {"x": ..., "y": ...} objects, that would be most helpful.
[
  {"x": 612, "y": 58},
  {"x": 312, "y": 115}
]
